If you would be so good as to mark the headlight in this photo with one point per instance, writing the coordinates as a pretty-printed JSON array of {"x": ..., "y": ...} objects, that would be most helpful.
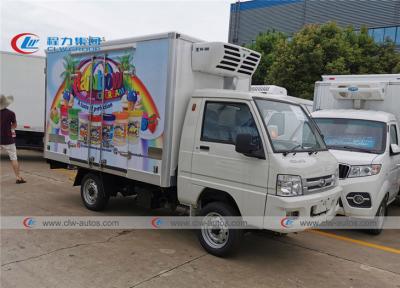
[
  {"x": 336, "y": 177},
  {"x": 364, "y": 170},
  {"x": 289, "y": 185}
]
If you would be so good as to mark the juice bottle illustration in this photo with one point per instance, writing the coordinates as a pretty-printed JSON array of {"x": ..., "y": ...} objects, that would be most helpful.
[
  {"x": 108, "y": 129},
  {"x": 120, "y": 128},
  {"x": 83, "y": 126},
  {"x": 73, "y": 123},
  {"x": 64, "y": 120},
  {"x": 134, "y": 123},
  {"x": 55, "y": 118},
  {"x": 95, "y": 129}
]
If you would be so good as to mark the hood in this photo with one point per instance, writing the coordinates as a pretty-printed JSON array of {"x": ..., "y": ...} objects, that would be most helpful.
[
  {"x": 353, "y": 158},
  {"x": 307, "y": 166}
]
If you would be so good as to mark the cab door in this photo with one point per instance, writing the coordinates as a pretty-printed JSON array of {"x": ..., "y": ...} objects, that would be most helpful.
[
  {"x": 216, "y": 164},
  {"x": 394, "y": 160}
]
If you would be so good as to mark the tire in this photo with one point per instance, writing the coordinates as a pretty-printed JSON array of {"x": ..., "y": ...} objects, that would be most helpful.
[
  {"x": 93, "y": 194},
  {"x": 219, "y": 242},
  {"x": 382, "y": 211}
]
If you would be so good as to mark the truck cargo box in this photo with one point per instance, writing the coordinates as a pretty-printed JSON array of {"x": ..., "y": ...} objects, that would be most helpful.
[
  {"x": 134, "y": 130},
  {"x": 23, "y": 76}
]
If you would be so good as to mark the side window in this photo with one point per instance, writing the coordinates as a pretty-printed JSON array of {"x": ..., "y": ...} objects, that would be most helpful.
[
  {"x": 393, "y": 135},
  {"x": 224, "y": 121}
]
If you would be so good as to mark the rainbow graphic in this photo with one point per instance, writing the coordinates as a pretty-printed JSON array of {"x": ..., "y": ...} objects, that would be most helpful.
[{"x": 136, "y": 84}]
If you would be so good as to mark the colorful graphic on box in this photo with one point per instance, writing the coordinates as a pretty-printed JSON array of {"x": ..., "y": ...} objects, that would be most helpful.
[{"x": 102, "y": 109}]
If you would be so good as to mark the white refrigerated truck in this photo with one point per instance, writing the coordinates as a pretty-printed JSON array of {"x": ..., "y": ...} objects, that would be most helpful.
[
  {"x": 170, "y": 119},
  {"x": 22, "y": 76},
  {"x": 359, "y": 116}
]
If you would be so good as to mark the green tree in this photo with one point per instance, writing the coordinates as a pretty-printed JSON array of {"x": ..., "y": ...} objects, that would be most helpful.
[
  {"x": 266, "y": 45},
  {"x": 324, "y": 49}
]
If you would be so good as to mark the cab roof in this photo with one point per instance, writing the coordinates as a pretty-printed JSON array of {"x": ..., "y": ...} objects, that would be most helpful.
[
  {"x": 242, "y": 95},
  {"x": 355, "y": 114}
]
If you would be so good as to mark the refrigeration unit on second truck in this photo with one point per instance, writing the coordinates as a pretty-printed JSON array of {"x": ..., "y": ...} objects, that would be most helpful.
[
  {"x": 359, "y": 117},
  {"x": 170, "y": 119}
]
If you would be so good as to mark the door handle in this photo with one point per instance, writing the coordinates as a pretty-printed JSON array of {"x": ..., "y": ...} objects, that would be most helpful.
[{"x": 205, "y": 148}]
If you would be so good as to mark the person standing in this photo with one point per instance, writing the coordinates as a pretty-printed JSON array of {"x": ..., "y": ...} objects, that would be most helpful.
[{"x": 8, "y": 123}]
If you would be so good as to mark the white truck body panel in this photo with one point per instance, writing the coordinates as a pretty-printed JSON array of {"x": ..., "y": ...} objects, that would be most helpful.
[
  {"x": 377, "y": 99},
  {"x": 23, "y": 76}
]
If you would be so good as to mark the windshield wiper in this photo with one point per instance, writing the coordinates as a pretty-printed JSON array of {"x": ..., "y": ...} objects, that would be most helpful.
[
  {"x": 352, "y": 148},
  {"x": 292, "y": 150}
]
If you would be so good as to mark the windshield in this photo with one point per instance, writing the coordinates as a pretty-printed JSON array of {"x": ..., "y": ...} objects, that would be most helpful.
[
  {"x": 353, "y": 134},
  {"x": 289, "y": 127}
]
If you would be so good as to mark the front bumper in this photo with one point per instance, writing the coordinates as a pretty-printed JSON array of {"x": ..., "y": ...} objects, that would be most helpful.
[
  {"x": 302, "y": 206},
  {"x": 369, "y": 184}
]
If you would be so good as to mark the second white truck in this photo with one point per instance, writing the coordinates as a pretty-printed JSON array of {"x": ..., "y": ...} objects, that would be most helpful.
[
  {"x": 359, "y": 116},
  {"x": 23, "y": 76},
  {"x": 170, "y": 119}
]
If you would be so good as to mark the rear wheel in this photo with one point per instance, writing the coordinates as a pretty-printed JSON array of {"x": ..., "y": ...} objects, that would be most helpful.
[
  {"x": 93, "y": 194},
  {"x": 398, "y": 198},
  {"x": 380, "y": 218},
  {"x": 218, "y": 240}
]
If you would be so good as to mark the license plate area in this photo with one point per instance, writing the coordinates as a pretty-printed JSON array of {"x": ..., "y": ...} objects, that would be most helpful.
[{"x": 322, "y": 207}]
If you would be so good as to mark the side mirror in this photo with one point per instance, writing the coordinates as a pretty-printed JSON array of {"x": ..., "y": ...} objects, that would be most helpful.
[
  {"x": 394, "y": 149},
  {"x": 244, "y": 145}
]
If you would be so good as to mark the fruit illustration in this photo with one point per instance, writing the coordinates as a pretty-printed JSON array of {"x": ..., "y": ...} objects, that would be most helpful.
[{"x": 153, "y": 121}]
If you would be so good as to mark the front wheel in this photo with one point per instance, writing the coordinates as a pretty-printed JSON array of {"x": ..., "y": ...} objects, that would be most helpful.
[
  {"x": 93, "y": 194},
  {"x": 380, "y": 218},
  {"x": 219, "y": 240}
]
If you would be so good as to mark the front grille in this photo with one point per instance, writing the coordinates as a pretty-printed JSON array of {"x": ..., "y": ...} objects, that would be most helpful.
[
  {"x": 343, "y": 171},
  {"x": 318, "y": 184}
]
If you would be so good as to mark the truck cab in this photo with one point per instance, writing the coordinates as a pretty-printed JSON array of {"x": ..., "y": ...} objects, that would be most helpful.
[
  {"x": 365, "y": 140},
  {"x": 259, "y": 155}
]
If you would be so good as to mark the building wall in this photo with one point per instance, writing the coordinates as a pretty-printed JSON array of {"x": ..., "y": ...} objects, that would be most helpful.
[{"x": 250, "y": 18}]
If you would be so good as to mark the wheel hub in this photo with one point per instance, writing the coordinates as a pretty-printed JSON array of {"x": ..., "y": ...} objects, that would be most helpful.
[
  {"x": 215, "y": 230},
  {"x": 90, "y": 192}
]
